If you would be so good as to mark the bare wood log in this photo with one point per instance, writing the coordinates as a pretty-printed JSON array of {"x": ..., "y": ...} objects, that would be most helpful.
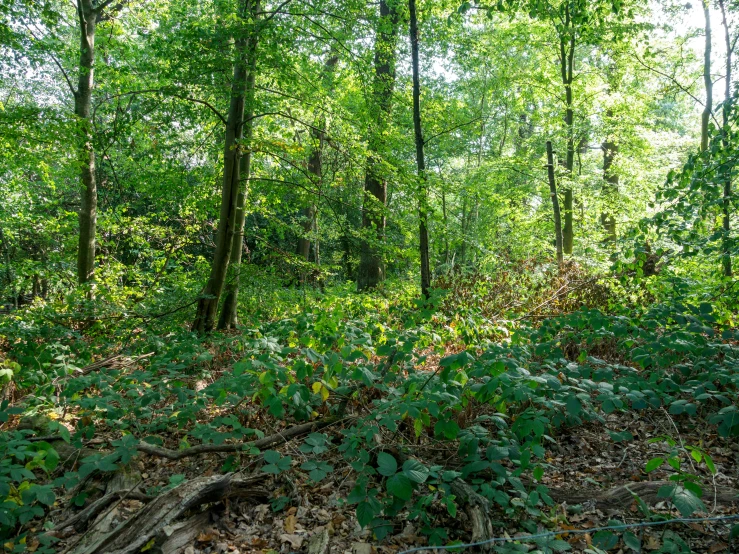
[
  {"x": 80, "y": 519},
  {"x": 180, "y": 535},
  {"x": 477, "y": 509},
  {"x": 150, "y": 522}
]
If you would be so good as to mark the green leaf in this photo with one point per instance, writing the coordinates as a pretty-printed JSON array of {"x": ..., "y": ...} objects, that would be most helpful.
[
  {"x": 415, "y": 471},
  {"x": 365, "y": 513},
  {"x": 653, "y": 464},
  {"x": 386, "y": 464},
  {"x": 687, "y": 502},
  {"x": 621, "y": 436},
  {"x": 45, "y": 495},
  {"x": 271, "y": 456},
  {"x": 558, "y": 545},
  {"x": 605, "y": 540},
  {"x": 632, "y": 541},
  {"x": 400, "y": 486}
]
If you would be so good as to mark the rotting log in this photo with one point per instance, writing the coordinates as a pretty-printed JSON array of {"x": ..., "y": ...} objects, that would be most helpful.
[{"x": 150, "y": 524}]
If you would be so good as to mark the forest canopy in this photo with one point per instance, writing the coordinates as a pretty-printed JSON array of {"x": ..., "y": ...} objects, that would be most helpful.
[{"x": 334, "y": 275}]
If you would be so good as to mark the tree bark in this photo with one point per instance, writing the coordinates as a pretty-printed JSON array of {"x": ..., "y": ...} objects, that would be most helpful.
[
  {"x": 229, "y": 311},
  {"x": 315, "y": 168},
  {"x": 420, "y": 160},
  {"x": 726, "y": 201},
  {"x": 555, "y": 205},
  {"x": 708, "y": 109},
  {"x": 567, "y": 60},
  {"x": 88, "y": 18},
  {"x": 610, "y": 188},
  {"x": 371, "y": 270},
  {"x": 205, "y": 318}
]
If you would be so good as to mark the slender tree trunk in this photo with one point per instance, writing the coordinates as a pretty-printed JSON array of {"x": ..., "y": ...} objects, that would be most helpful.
[
  {"x": 205, "y": 318},
  {"x": 88, "y": 18},
  {"x": 555, "y": 205},
  {"x": 610, "y": 188},
  {"x": 708, "y": 109},
  {"x": 567, "y": 60},
  {"x": 315, "y": 168},
  {"x": 420, "y": 160},
  {"x": 307, "y": 215},
  {"x": 371, "y": 264},
  {"x": 726, "y": 203},
  {"x": 229, "y": 311}
]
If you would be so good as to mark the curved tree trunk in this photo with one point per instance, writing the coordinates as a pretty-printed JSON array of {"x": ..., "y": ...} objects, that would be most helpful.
[{"x": 371, "y": 265}]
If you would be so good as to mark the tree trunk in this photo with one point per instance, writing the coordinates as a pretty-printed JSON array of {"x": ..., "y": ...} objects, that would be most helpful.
[
  {"x": 423, "y": 234},
  {"x": 726, "y": 203},
  {"x": 211, "y": 294},
  {"x": 567, "y": 60},
  {"x": 229, "y": 311},
  {"x": 555, "y": 205},
  {"x": 610, "y": 188},
  {"x": 315, "y": 168},
  {"x": 371, "y": 265},
  {"x": 88, "y": 17},
  {"x": 708, "y": 109}
]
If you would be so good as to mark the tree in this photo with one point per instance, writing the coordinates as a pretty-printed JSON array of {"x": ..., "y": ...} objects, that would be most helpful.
[
  {"x": 371, "y": 266},
  {"x": 211, "y": 293},
  {"x": 229, "y": 310},
  {"x": 422, "y": 192},
  {"x": 576, "y": 23},
  {"x": 707, "y": 80},
  {"x": 726, "y": 111},
  {"x": 89, "y": 15}
]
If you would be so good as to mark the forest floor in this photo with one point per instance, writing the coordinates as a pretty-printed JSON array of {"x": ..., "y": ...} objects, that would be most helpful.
[
  {"x": 585, "y": 475},
  {"x": 371, "y": 426},
  {"x": 584, "y": 465}
]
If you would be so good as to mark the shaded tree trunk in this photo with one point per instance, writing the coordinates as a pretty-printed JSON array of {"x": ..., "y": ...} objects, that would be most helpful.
[
  {"x": 229, "y": 311},
  {"x": 708, "y": 109},
  {"x": 567, "y": 60},
  {"x": 88, "y": 18},
  {"x": 205, "y": 317},
  {"x": 420, "y": 160},
  {"x": 610, "y": 188},
  {"x": 555, "y": 205},
  {"x": 726, "y": 201},
  {"x": 315, "y": 168},
  {"x": 371, "y": 270}
]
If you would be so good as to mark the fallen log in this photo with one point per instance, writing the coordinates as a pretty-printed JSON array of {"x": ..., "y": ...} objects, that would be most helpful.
[{"x": 150, "y": 525}]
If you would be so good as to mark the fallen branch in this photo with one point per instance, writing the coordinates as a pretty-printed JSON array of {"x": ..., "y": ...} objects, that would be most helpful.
[
  {"x": 151, "y": 523},
  {"x": 623, "y": 495},
  {"x": 266, "y": 442}
]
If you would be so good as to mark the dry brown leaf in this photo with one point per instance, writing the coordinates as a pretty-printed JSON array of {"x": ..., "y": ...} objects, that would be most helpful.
[
  {"x": 718, "y": 547},
  {"x": 296, "y": 541},
  {"x": 290, "y": 523}
]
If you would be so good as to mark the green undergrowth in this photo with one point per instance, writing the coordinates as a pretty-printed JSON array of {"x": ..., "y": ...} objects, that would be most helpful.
[{"x": 410, "y": 380}]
